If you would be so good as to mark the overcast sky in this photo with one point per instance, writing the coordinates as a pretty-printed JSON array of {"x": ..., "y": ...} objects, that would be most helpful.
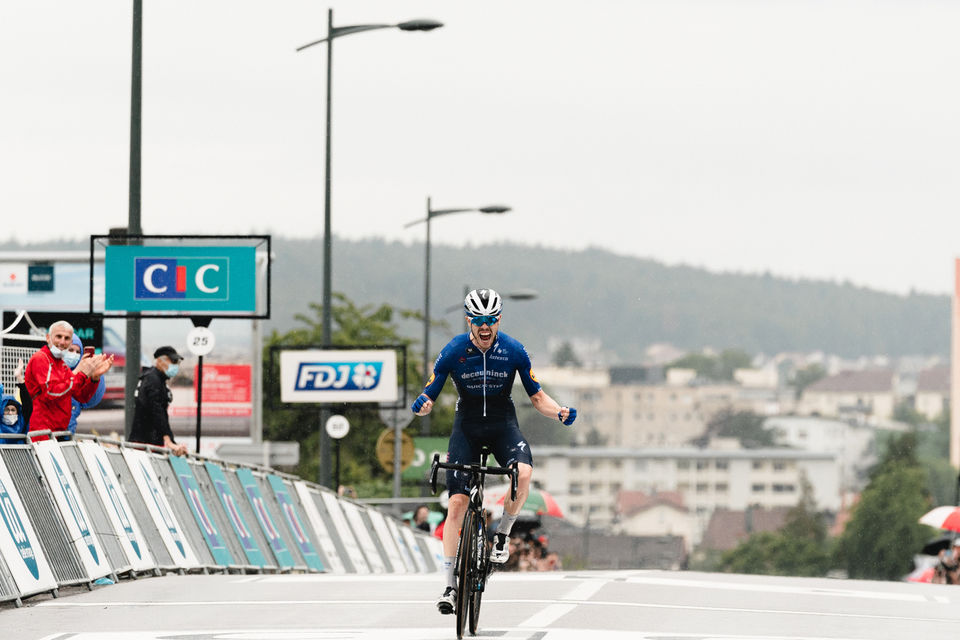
[{"x": 814, "y": 139}]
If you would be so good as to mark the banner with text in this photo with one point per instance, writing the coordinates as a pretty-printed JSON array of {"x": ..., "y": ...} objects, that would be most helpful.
[{"x": 328, "y": 376}]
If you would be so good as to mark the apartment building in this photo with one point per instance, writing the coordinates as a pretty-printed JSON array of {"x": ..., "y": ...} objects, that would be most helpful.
[
  {"x": 933, "y": 391},
  {"x": 586, "y": 481},
  {"x": 869, "y": 395}
]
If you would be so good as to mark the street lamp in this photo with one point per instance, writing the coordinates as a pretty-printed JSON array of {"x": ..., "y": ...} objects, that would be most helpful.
[
  {"x": 333, "y": 33},
  {"x": 431, "y": 214}
]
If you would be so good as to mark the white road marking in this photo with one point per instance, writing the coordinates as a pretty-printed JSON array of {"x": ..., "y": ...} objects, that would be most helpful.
[
  {"x": 547, "y": 616},
  {"x": 406, "y": 634},
  {"x": 772, "y": 588},
  {"x": 585, "y": 590},
  {"x": 590, "y": 603}
]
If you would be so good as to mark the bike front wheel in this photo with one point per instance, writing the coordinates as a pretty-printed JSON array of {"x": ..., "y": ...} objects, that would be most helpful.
[
  {"x": 480, "y": 561},
  {"x": 466, "y": 563}
]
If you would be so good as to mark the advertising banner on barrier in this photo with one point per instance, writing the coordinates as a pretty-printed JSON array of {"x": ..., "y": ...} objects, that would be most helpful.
[
  {"x": 323, "y": 376},
  {"x": 19, "y": 543},
  {"x": 327, "y": 545},
  {"x": 201, "y": 513},
  {"x": 412, "y": 543},
  {"x": 67, "y": 497},
  {"x": 294, "y": 524},
  {"x": 229, "y": 504},
  {"x": 344, "y": 532},
  {"x": 387, "y": 542},
  {"x": 267, "y": 525},
  {"x": 170, "y": 531},
  {"x": 115, "y": 505},
  {"x": 370, "y": 548},
  {"x": 401, "y": 543}
]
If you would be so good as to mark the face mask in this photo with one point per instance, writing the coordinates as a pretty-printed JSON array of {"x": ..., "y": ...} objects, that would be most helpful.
[
  {"x": 10, "y": 419},
  {"x": 57, "y": 353},
  {"x": 71, "y": 359},
  {"x": 172, "y": 370}
]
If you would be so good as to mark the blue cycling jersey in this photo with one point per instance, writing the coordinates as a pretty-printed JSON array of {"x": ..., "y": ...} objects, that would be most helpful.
[{"x": 483, "y": 379}]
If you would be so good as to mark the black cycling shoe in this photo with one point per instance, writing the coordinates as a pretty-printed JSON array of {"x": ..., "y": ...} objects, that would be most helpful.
[{"x": 447, "y": 603}]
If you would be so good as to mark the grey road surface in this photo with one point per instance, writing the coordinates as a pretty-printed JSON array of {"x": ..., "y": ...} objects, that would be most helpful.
[{"x": 639, "y": 605}]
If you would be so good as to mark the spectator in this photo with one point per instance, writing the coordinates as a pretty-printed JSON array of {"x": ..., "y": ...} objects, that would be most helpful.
[
  {"x": 52, "y": 383},
  {"x": 12, "y": 416},
  {"x": 76, "y": 406},
  {"x": 151, "y": 424},
  {"x": 420, "y": 515},
  {"x": 25, "y": 403}
]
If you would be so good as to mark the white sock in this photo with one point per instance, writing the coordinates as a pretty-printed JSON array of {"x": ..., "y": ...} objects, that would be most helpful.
[
  {"x": 448, "y": 567},
  {"x": 506, "y": 523}
]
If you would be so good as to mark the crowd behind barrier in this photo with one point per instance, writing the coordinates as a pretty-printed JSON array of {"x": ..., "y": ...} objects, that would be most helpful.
[{"x": 103, "y": 510}]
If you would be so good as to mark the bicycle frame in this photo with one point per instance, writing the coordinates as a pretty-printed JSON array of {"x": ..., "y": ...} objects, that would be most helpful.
[{"x": 472, "y": 565}]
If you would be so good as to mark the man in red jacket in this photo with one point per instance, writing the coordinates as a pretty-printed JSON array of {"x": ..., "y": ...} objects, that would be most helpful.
[{"x": 54, "y": 376}]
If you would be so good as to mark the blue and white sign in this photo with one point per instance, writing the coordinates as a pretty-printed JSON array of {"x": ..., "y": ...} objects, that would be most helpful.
[
  {"x": 208, "y": 527},
  {"x": 212, "y": 279},
  {"x": 250, "y": 547},
  {"x": 252, "y": 490},
  {"x": 115, "y": 504},
  {"x": 325, "y": 376},
  {"x": 294, "y": 524},
  {"x": 173, "y": 536},
  {"x": 19, "y": 543},
  {"x": 64, "y": 490}
]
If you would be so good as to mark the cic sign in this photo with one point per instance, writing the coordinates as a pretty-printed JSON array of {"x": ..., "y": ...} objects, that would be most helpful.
[
  {"x": 322, "y": 376},
  {"x": 211, "y": 279}
]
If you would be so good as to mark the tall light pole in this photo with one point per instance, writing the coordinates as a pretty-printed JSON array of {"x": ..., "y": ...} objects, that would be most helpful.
[
  {"x": 131, "y": 365},
  {"x": 333, "y": 33},
  {"x": 431, "y": 214}
]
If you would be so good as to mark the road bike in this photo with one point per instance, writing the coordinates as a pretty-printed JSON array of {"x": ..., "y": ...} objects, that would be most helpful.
[{"x": 472, "y": 566}]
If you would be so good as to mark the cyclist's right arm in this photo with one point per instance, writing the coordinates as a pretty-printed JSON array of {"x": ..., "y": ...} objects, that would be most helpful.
[{"x": 424, "y": 402}]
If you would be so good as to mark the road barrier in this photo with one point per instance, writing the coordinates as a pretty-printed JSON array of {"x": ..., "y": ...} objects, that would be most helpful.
[{"x": 73, "y": 512}]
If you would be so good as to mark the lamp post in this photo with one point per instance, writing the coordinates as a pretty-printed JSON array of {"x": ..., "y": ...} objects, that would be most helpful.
[
  {"x": 333, "y": 33},
  {"x": 431, "y": 214}
]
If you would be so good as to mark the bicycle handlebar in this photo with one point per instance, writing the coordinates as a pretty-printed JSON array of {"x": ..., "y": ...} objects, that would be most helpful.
[{"x": 474, "y": 468}]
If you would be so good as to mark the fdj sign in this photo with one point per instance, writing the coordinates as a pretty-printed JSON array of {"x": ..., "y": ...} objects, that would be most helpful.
[
  {"x": 317, "y": 376},
  {"x": 338, "y": 376},
  {"x": 209, "y": 279}
]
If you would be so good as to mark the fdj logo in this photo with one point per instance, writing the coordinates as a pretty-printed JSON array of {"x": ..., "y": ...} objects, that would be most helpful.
[
  {"x": 181, "y": 278},
  {"x": 342, "y": 376}
]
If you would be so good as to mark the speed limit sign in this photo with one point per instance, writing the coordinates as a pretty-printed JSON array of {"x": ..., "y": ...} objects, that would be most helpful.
[{"x": 200, "y": 341}]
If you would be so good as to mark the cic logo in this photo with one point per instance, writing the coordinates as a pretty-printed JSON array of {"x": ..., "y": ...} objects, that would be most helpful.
[{"x": 181, "y": 278}]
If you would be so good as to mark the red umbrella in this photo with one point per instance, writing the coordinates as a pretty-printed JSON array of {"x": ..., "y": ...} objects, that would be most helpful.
[
  {"x": 943, "y": 518},
  {"x": 538, "y": 501}
]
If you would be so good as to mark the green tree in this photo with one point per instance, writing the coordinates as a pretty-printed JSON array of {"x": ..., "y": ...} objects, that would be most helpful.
[
  {"x": 354, "y": 326},
  {"x": 883, "y": 532},
  {"x": 905, "y": 412},
  {"x": 800, "y": 548},
  {"x": 805, "y": 377},
  {"x": 745, "y": 426},
  {"x": 566, "y": 356},
  {"x": 719, "y": 367}
]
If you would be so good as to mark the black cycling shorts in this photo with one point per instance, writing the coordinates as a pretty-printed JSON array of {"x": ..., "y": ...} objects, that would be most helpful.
[{"x": 502, "y": 436}]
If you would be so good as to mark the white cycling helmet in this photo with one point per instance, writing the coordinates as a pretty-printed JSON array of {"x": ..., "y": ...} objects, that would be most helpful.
[{"x": 482, "y": 302}]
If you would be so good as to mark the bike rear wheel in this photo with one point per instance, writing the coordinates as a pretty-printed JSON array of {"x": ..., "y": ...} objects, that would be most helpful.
[{"x": 466, "y": 561}]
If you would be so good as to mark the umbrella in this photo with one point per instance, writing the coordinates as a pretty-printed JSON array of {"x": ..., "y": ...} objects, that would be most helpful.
[
  {"x": 943, "y": 518},
  {"x": 538, "y": 501},
  {"x": 935, "y": 546}
]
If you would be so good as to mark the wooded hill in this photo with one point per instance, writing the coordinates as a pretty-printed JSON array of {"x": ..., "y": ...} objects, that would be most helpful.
[{"x": 625, "y": 303}]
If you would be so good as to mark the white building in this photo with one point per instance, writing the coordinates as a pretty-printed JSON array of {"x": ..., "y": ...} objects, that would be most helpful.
[
  {"x": 587, "y": 480},
  {"x": 852, "y": 443}
]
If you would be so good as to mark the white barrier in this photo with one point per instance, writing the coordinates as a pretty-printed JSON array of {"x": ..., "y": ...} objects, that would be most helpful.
[
  {"x": 19, "y": 543},
  {"x": 347, "y": 538},
  {"x": 159, "y": 508},
  {"x": 115, "y": 504},
  {"x": 74, "y": 514},
  {"x": 388, "y": 543},
  {"x": 370, "y": 550},
  {"x": 327, "y": 545}
]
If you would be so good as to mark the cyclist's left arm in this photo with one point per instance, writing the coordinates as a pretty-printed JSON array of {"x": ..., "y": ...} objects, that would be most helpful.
[
  {"x": 552, "y": 409},
  {"x": 541, "y": 401}
]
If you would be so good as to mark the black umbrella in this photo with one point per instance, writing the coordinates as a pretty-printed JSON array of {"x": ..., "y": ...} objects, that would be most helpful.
[{"x": 935, "y": 546}]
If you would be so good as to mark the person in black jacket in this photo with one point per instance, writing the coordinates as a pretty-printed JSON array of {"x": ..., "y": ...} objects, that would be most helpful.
[{"x": 151, "y": 425}]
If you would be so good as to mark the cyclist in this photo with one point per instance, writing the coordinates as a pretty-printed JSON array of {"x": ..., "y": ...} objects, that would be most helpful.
[{"x": 483, "y": 364}]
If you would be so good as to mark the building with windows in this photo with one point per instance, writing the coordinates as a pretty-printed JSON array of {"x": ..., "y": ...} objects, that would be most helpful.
[
  {"x": 868, "y": 395},
  {"x": 586, "y": 481}
]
